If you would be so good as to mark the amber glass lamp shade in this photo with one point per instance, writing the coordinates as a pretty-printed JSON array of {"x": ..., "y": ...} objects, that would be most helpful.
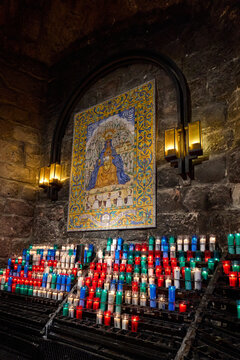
[
  {"x": 170, "y": 147},
  {"x": 55, "y": 174},
  {"x": 44, "y": 177},
  {"x": 194, "y": 138}
]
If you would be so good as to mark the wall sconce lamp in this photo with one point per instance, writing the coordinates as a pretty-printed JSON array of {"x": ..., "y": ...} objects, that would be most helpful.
[
  {"x": 51, "y": 179},
  {"x": 182, "y": 146}
]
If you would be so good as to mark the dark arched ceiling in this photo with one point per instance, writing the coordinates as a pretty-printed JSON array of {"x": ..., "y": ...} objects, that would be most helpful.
[{"x": 46, "y": 30}]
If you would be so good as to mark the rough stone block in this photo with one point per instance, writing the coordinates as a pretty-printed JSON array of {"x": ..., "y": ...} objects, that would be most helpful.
[
  {"x": 15, "y": 172},
  {"x": 2, "y": 204},
  {"x": 220, "y": 223},
  {"x": 18, "y": 244},
  {"x": 11, "y": 152},
  {"x": 219, "y": 196},
  {"x": 213, "y": 115},
  {"x": 9, "y": 188},
  {"x": 217, "y": 141},
  {"x": 15, "y": 226},
  {"x": 29, "y": 192},
  {"x": 26, "y": 135},
  {"x": 18, "y": 207},
  {"x": 212, "y": 170},
  {"x": 6, "y": 129},
  {"x": 169, "y": 200},
  {"x": 195, "y": 198},
  {"x": 177, "y": 223},
  {"x": 236, "y": 195},
  {"x": 5, "y": 246},
  {"x": 167, "y": 177},
  {"x": 233, "y": 168}
]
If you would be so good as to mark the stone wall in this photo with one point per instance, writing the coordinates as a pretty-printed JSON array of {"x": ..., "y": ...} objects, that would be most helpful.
[
  {"x": 22, "y": 87},
  {"x": 206, "y": 49}
]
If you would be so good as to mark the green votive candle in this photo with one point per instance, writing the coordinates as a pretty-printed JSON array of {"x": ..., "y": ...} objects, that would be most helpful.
[
  {"x": 128, "y": 278},
  {"x": 237, "y": 239},
  {"x": 98, "y": 292},
  {"x": 65, "y": 309},
  {"x": 216, "y": 255},
  {"x": 144, "y": 270},
  {"x": 238, "y": 309},
  {"x": 143, "y": 288},
  {"x": 235, "y": 267},
  {"x": 118, "y": 302},
  {"x": 211, "y": 264},
  {"x": 30, "y": 291},
  {"x": 171, "y": 240},
  {"x": 192, "y": 263},
  {"x": 136, "y": 269},
  {"x": 204, "y": 273},
  {"x": 103, "y": 300},
  {"x": 122, "y": 276},
  {"x": 187, "y": 274},
  {"x": 182, "y": 263},
  {"x": 230, "y": 239},
  {"x": 198, "y": 255}
]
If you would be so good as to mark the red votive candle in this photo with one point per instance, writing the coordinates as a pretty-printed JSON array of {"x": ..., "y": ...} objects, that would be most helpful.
[
  {"x": 115, "y": 267},
  {"x": 182, "y": 307},
  {"x": 129, "y": 268},
  {"x": 226, "y": 267},
  {"x": 74, "y": 271},
  {"x": 103, "y": 275},
  {"x": 54, "y": 263},
  {"x": 134, "y": 286},
  {"x": 79, "y": 312},
  {"x": 13, "y": 287},
  {"x": 89, "y": 303},
  {"x": 100, "y": 283},
  {"x": 183, "y": 272},
  {"x": 96, "y": 303},
  {"x": 158, "y": 270},
  {"x": 135, "y": 320},
  {"x": 96, "y": 275},
  {"x": 122, "y": 267},
  {"x": 173, "y": 262},
  {"x": 150, "y": 260},
  {"x": 168, "y": 270},
  {"x": 104, "y": 267},
  {"x": 137, "y": 247},
  {"x": 99, "y": 267},
  {"x": 160, "y": 281},
  {"x": 165, "y": 262},
  {"x": 189, "y": 255},
  {"x": 137, "y": 260},
  {"x": 39, "y": 283},
  {"x": 88, "y": 281},
  {"x": 91, "y": 292},
  {"x": 92, "y": 266},
  {"x": 107, "y": 318},
  {"x": 144, "y": 247},
  {"x": 207, "y": 255},
  {"x": 94, "y": 283},
  {"x": 233, "y": 279}
]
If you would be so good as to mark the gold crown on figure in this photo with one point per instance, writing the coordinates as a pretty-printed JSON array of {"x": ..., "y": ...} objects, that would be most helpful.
[{"x": 108, "y": 134}]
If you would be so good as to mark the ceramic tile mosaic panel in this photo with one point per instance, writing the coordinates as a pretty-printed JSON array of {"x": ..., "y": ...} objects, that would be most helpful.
[{"x": 112, "y": 183}]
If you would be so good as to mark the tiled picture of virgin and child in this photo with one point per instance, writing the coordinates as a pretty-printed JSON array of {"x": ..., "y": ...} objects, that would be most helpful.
[{"x": 112, "y": 184}]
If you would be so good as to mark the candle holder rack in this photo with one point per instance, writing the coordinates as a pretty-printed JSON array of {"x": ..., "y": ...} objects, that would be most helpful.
[{"x": 217, "y": 336}]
